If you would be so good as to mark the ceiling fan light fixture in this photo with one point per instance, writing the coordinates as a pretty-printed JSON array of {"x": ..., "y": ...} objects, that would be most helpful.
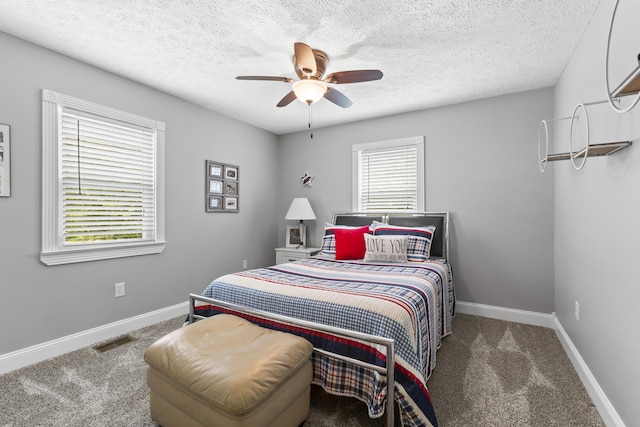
[
  {"x": 310, "y": 65},
  {"x": 309, "y": 90}
]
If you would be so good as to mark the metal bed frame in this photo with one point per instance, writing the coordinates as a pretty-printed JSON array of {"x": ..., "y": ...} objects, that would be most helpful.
[{"x": 388, "y": 343}]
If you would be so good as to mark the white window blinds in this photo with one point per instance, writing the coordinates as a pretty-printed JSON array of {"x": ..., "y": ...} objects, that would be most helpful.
[
  {"x": 389, "y": 176},
  {"x": 107, "y": 178},
  {"x": 103, "y": 182}
]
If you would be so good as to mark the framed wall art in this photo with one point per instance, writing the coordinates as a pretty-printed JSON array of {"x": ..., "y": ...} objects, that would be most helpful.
[
  {"x": 215, "y": 170},
  {"x": 215, "y": 186},
  {"x": 221, "y": 187},
  {"x": 5, "y": 160},
  {"x": 231, "y": 188},
  {"x": 231, "y": 172},
  {"x": 230, "y": 204},
  {"x": 215, "y": 203}
]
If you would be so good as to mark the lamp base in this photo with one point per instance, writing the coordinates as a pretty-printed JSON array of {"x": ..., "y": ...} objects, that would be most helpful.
[{"x": 303, "y": 235}]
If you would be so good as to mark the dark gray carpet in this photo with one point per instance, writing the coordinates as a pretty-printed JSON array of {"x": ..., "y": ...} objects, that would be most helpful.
[{"x": 488, "y": 373}]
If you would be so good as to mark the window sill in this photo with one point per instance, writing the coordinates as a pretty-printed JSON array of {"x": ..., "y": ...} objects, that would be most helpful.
[{"x": 74, "y": 255}]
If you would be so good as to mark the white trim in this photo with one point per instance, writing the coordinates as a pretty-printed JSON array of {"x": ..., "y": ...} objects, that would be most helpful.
[
  {"x": 99, "y": 252},
  {"x": 39, "y": 352},
  {"x": 52, "y": 250},
  {"x": 603, "y": 404},
  {"x": 508, "y": 314}
]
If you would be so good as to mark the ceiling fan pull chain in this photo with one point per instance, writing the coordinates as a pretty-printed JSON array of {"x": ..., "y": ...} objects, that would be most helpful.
[{"x": 309, "y": 104}]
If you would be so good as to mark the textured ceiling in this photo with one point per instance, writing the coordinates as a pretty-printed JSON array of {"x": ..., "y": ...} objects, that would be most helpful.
[{"x": 432, "y": 52}]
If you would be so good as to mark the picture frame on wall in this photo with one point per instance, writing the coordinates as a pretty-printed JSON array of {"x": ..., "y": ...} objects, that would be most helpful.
[
  {"x": 231, "y": 172},
  {"x": 231, "y": 188},
  {"x": 215, "y": 203},
  {"x": 230, "y": 204},
  {"x": 293, "y": 238},
  {"x": 221, "y": 187},
  {"x": 5, "y": 160},
  {"x": 215, "y": 186},
  {"x": 215, "y": 170}
]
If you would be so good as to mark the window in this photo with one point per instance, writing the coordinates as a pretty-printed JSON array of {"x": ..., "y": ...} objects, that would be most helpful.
[
  {"x": 388, "y": 176},
  {"x": 103, "y": 182}
]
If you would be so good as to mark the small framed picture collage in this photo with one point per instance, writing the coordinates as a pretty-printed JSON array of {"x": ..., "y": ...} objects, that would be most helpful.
[{"x": 221, "y": 187}]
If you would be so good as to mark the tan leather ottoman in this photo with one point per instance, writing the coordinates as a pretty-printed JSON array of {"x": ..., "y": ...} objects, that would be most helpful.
[{"x": 225, "y": 371}]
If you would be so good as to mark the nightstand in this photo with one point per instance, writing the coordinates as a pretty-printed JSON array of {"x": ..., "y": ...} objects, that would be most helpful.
[{"x": 292, "y": 254}]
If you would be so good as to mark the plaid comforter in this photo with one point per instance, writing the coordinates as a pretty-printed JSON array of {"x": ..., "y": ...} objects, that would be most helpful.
[{"x": 413, "y": 303}]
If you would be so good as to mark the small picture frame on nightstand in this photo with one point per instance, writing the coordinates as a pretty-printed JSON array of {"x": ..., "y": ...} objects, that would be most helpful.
[{"x": 293, "y": 236}]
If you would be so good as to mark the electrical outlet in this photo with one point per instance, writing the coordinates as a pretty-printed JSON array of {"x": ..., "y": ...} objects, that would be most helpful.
[
  {"x": 119, "y": 289},
  {"x": 577, "y": 311},
  {"x": 245, "y": 263}
]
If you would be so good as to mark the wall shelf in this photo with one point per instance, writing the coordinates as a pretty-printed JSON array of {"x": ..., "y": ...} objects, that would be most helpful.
[
  {"x": 577, "y": 157},
  {"x": 594, "y": 150},
  {"x": 629, "y": 86}
]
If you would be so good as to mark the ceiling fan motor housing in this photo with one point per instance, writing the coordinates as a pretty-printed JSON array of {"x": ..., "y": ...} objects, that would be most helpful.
[{"x": 322, "y": 59}]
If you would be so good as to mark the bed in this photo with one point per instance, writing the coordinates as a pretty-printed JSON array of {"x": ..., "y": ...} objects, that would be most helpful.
[{"x": 375, "y": 321}]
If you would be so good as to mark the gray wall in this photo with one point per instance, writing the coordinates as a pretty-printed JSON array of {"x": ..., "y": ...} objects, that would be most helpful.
[
  {"x": 481, "y": 165},
  {"x": 40, "y": 303},
  {"x": 597, "y": 211}
]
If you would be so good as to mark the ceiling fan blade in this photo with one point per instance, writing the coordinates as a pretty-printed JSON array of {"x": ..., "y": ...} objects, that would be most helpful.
[
  {"x": 337, "y": 98},
  {"x": 270, "y": 78},
  {"x": 288, "y": 99},
  {"x": 305, "y": 59},
  {"x": 354, "y": 76}
]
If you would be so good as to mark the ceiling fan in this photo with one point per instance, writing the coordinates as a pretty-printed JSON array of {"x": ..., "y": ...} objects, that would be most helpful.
[{"x": 310, "y": 65}]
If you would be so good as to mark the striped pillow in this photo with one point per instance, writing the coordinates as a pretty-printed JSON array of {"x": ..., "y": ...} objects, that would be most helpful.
[
  {"x": 420, "y": 238},
  {"x": 328, "y": 246}
]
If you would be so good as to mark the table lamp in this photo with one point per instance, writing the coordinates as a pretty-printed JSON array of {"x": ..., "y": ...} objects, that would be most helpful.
[{"x": 300, "y": 210}]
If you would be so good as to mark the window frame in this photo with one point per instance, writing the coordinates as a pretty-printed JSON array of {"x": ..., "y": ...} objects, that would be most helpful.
[
  {"x": 53, "y": 251},
  {"x": 357, "y": 149}
]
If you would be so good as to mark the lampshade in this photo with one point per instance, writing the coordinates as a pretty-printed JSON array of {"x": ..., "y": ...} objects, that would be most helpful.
[
  {"x": 309, "y": 90},
  {"x": 300, "y": 209}
]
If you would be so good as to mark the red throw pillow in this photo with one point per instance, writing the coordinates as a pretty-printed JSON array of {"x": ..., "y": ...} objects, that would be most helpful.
[{"x": 350, "y": 242}]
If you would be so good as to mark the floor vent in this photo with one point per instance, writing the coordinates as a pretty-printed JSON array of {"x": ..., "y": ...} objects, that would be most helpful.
[{"x": 116, "y": 342}]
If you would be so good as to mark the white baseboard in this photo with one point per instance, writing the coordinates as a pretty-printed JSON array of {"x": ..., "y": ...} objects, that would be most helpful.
[
  {"x": 39, "y": 352},
  {"x": 605, "y": 408},
  {"x": 509, "y": 314}
]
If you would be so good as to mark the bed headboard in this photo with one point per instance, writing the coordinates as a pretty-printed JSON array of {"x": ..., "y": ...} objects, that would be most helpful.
[{"x": 440, "y": 243}]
